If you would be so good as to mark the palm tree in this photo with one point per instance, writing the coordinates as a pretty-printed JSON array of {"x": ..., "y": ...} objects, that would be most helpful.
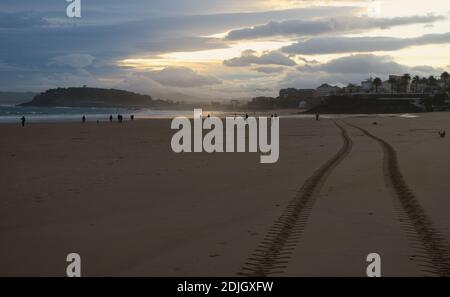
[
  {"x": 416, "y": 81},
  {"x": 432, "y": 81},
  {"x": 445, "y": 77},
  {"x": 424, "y": 81},
  {"x": 377, "y": 82}
]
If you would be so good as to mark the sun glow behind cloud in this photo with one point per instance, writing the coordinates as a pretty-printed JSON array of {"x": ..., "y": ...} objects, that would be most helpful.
[
  {"x": 198, "y": 59},
  {"x": 374, "y": 8}
]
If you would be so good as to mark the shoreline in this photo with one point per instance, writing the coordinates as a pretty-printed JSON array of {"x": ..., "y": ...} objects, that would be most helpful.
[{"x": 104, "y": 118}]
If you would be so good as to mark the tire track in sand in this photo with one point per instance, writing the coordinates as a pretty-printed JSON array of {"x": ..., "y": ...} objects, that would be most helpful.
[
  {"x": 425, "y": 238},
  {"x": 273, "y": 253}
]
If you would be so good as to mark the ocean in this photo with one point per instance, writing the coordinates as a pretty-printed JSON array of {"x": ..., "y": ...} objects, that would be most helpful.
[{"x": 13, "y": 114}]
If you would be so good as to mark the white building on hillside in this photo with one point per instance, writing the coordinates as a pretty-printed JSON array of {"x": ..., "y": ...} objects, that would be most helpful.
[
  {"x": 367, "y": 85},
  {"x": 385, "y": 87}
]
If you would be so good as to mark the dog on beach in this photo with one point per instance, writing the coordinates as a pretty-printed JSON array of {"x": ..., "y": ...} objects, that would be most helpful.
[{"x": 442, "y": 133}]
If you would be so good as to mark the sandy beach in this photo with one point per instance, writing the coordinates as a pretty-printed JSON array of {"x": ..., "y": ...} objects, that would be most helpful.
[{"x": 121, "y": 198}]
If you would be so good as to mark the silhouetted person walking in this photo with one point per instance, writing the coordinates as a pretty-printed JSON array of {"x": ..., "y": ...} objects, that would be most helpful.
[
  {"x": 319, "y": 108},
  {"x": 83, "y": 119},
  {"x": 132, "y": 117},
  {"x": 120, "y": 118},
  {"x": 111, "y": 118},
  {"x": 22, "y": 120}
]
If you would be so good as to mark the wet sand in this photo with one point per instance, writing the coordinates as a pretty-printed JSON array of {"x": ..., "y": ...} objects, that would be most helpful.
[{"x": 118, "y": 196}]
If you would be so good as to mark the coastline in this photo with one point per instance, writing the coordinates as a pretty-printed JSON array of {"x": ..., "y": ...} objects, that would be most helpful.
[{"x": 68, "y": 114}]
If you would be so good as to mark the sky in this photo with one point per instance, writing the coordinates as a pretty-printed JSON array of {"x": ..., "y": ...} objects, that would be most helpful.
[{"x": 218, "y": 49}]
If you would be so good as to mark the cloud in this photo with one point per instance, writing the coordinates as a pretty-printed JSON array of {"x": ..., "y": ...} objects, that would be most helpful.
[
  {"x": 358, "y": 64},
  {"x": 45, "y": 49},
  {"x": 4, "y": 67},
  {"x": 307, "y": 61},
  {"x": 326, "y": 26},
  {"x": 166, "y": 7},
  {"x": 117, "y": 30},
  {"x": 350, "y": 69},
  {"x": 36, "y": 44},
  {"x": 249, "y": 58},
  {"x": 182, "y": 44},
  {"x": 73, "y": 60},
  {"x": 270, "y": 70},
  {"x": 20, "y": 20},
  {"x": 182, "y": 77},
  {"x": 367, "y": 64},
  {"x": 332, "y": 45}
]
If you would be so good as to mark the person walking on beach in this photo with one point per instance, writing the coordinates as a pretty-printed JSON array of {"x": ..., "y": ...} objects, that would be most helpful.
[
  {"x": 83, "y": 119},
  {"x": 120, "y": 118},
  {"x": 319, "y": 108},
  {"x": 132, "y": 117},
  {"x": 110, "y": 118},
  {"x": 22, "y": 120}
]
